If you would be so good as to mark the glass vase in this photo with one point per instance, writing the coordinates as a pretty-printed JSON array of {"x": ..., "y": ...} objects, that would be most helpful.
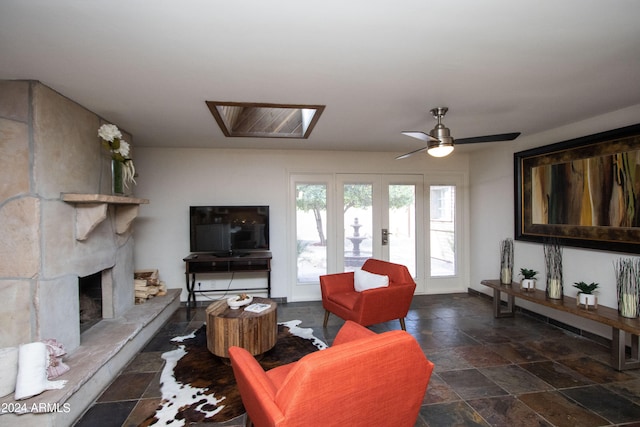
[
  {"x": 506, "y": 261},
  {"x": 117, "y": 183}
]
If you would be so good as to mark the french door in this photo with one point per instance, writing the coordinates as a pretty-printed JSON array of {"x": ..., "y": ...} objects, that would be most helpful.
[
  {"x": 381, "y": 217},
  {"x": 340, "y": 220}
]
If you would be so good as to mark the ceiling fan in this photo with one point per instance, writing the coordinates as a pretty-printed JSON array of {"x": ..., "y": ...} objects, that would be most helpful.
[{"x": 439, "y": 140}]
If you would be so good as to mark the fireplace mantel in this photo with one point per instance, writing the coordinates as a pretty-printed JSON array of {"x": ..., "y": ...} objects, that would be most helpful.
[{"x": 91, "y": 210}]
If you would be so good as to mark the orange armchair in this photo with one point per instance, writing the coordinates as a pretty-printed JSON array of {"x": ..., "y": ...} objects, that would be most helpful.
[
  {"x": 373, "y": 305},
  {"x": 364, "y": 379}
]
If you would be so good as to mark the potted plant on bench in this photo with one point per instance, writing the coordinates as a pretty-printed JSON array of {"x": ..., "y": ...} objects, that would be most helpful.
[
  {"x": 528, "y": 282},
  {"x": 586, "y": 294}
]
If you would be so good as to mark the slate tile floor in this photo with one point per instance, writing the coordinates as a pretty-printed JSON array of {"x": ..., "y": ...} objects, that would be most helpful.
[{"x": 489, "y": 372}]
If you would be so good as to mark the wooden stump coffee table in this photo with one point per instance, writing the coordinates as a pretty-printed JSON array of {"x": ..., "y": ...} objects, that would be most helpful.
[{"x": 256, "y": 332}]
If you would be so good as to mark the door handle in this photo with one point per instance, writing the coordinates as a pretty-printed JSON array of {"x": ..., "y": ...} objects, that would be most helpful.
[{"x": 385, "y": 236}]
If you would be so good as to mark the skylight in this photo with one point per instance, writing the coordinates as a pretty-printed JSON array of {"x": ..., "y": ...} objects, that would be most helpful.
[{"x": 241, "y": 119}]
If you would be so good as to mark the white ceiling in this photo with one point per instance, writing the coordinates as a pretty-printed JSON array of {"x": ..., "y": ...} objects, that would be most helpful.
[{"x": 378, "y": 66}]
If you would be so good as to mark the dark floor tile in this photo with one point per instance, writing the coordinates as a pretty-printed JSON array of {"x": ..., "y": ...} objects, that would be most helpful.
[
  {"x": 596, "y": 371},
  {"x": 452, "y": 414},
  {"x": 174, "y": 329},
  {"x": 428, "y": 326},
  {"x": 421, "y": 313},
  {"x": 144, "y": 409},
  {"x": 445, "y": 339},
  {"x": 560, "y": 411},
  {"x": 112, "y": 414},
  {"x": 587, "y": 347},
  {"x": 471, "y": 384},
  {"x": 629, "y": 389},
  {"x": 127, "y": 386},
  {"x": 447, "y": 359},
  {"x": 507, "y": 411},
  {"x": 605, "y": 403},
  {"x": 555, "y": 348},
  {"x": 486, "y": 335},
  {"x": 480, "y": 356},
  {"x": 514, "y": 379},
  {"x": 194, "y": 325},
  {"x": 153, "y": 389},
  {"x": 146, "y": 362},
  {"x": 517, "y": 353},
  {"x": 559, "y": 376},
  {"x": 439, "y": 391},
  {"x": 160, "y": 343}
]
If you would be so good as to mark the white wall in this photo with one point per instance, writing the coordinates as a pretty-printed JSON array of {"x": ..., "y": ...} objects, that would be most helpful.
[
  {"x": 174, "y": 179},
  {"x": 492, "y": 219}
]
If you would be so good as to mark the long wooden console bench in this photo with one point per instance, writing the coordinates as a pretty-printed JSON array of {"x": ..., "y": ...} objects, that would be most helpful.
[{"x": 620, "y": 325}]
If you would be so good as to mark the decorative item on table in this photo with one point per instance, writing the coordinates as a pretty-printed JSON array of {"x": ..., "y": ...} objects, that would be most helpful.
[
  {"x": 586, "y": 296},
  {"x": 528, "y": 282},
  {"x": 257, "y": 307},
  {"x": 627, "y": 284},
  {"x": 122, "y": 168},
  {"x": 553, "y": 264},
  {"x": 506, "y": 261},
  {"x": 238, "y": 301}
]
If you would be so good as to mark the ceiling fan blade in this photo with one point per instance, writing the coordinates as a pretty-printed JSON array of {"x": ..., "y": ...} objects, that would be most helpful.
[
  {"x": 420, "y": 135},
  {"x": 411, "y": 153},
  {"x": 488, "y": 138}
]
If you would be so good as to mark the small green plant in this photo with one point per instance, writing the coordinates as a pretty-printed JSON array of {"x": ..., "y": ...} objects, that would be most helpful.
[
  {"x": 527, "y": 273},
  {"x": 584, "y": 288}
]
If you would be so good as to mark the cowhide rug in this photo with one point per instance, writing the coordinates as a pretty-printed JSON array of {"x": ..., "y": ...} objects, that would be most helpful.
[{"x": 197, "y": 386}]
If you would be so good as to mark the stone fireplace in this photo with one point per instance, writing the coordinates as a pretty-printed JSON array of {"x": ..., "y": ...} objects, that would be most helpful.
[
  {"x": 59, "y": 222},
  {"x": 53, "y": 150}
]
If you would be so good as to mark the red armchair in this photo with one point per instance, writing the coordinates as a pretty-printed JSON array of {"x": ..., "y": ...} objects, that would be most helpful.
[
  {"x": 373, "y": 305},
  {"x": 364, "y": 379}
]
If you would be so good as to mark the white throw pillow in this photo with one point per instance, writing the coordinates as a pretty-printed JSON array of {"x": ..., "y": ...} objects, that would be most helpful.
[
  {"x": 363, "y": 280},
  {"x": 8, "y": 370},
  {"x": 33, "y": 361}
]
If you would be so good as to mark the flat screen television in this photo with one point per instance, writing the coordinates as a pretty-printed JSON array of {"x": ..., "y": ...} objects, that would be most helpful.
[{"x": 229, "y": 230}]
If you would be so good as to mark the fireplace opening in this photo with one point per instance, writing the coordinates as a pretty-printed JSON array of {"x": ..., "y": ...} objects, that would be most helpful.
[{"x": 90, "y": 293}]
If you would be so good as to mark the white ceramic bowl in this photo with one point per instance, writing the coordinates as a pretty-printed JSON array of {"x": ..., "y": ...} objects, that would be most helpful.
[{"x": 234, "y": 303}]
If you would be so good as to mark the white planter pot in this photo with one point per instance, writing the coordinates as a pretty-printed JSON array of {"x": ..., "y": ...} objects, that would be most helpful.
[
  {"x": 528, "y": 285},
  {"x": 587, "y": 300}
]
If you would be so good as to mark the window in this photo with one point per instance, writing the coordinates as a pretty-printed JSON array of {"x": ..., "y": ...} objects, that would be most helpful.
[
  {"x": 442, "y": 230},
  {"x": 311, "y": 231}
]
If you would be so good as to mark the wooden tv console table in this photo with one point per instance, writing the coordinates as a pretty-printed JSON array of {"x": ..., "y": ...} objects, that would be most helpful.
[
  {"x": 620, "y": 326},
  {"x": 244, "y": 262}
]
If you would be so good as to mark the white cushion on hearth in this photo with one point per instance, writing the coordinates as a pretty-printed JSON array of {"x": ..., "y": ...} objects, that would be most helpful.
[
  {"x": 33, "y": 360},
  {"x": 8, "y": 370}
]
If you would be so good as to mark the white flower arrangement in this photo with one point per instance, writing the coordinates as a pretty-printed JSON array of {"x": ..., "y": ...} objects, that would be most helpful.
[{"x": 119, "y": 149}]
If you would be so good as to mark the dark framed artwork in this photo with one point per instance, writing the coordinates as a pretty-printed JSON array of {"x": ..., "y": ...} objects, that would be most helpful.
[{"x": 584, "y": 192}]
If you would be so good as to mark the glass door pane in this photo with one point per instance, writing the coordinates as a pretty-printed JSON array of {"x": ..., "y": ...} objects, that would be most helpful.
[
  {"x": 311, "y": 231},
  {"x": 442, "y": 230},
  {"x": 402, "y": 225},
  {"x": 358, "y": 224}
]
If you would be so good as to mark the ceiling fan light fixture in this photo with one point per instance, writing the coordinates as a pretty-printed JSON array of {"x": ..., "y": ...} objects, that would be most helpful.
[
  {"x": 443, "y": 145},
  {"x": 440, "y": 148}
]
